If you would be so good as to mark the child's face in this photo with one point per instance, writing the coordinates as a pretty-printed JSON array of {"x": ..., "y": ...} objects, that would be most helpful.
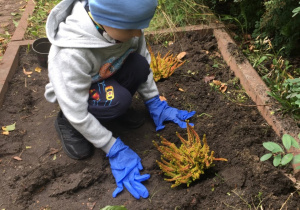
[{"x": 122, "y": 35}]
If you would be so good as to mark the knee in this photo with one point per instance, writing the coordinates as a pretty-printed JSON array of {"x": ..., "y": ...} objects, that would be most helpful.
[
  {"x": 123, "y": 102},
  {"x": 111, "y": 103},
  {"x": 141, "y": 67}
]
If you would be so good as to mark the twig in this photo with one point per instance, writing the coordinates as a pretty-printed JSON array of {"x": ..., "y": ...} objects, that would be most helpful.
[
  {"x": 227, "y": 205},
  {"x": 169, "y": 21},
  {"x": 150, "y": 198},
  {"x": 241, "y": 198},
  {"x": 259, "y": 206},
  {"x": 24, "y": 117},
  {"x": 287, "y": 200},
  {"x": 254, "y": 104},
  {"x": 200, "y": 115},
  {"x": 21, "y": 153}
]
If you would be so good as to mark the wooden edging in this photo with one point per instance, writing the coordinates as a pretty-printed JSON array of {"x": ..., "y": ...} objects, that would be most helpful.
[
  {"x": 10, "y": 58},
  {"x": 249, "y": 78},
  {"x": 9, "y": 65}
]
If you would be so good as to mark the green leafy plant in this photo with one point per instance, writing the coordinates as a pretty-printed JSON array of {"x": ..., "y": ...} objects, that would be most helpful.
[
  {"x": 163, "y": 67},
  {"x": 231, "y": 18},
  {"x": 296, "y": 10},
  {"x": 278, "y": 153},
  {"x": 277, "y": 73},
  {"x": 288, "y": 96},
  {"x": 293, "y": 91},
  {"x": 186, "y": 163},
  {"x": 277, "y": 22}
]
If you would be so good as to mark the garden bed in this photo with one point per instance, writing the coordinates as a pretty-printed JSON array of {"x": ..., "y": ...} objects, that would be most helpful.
[{"x": 36, "y": 174}]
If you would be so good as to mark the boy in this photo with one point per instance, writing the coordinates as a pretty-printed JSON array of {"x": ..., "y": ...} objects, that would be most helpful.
[{"x": 97, "y": 61}]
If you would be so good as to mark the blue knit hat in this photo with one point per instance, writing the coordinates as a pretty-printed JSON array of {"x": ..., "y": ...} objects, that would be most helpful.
[{"x": 123, "y": 14}]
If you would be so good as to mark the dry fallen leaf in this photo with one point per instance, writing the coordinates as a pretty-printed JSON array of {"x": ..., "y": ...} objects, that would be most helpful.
[
  {"x": 217, "y": 54},
  {"x": 247, "y": 37},
  {"x": 217, "y": 82},
  {"x": 251, "y": 47},
  {"x": 181, "y": 55},
  {"x": 5, "y": 133},
  {"x": 209, "y": 78},
  {"x": 3, "y": 26},
  {"x": 26, "y": 72},
  {"x": 162, "y": 98},
  {"x": 9, "y": 127},
  {"x": 91, "y": 205},
  {"x": 223, "y": 87},
  {"x": 17, "y": 158},
  {"x": 38, "y": 69}
]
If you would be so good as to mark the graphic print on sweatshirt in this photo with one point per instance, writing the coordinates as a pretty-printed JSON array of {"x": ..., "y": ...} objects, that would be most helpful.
[
  {"x": 111, "y": 66},
  {"x": 100, "y": 89}
]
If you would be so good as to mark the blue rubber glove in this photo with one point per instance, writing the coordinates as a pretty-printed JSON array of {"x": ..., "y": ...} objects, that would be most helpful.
[
  {"x": 125, "y": 166},
  {"x": 160, "y": 112}
]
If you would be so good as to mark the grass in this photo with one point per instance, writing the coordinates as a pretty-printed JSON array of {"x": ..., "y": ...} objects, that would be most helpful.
[
  {"x": 37, "y": 21},
  {"x": 171, "y": 14},
  {"x": 176, "y": 13}
]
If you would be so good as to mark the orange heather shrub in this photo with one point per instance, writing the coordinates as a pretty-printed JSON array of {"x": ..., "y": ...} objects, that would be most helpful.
[
  {"x": 185, "y": 164},
  {"x": 163, "y": 67}
]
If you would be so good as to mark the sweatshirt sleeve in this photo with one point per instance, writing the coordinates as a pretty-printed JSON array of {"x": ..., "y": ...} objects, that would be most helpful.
[
  {"x": 148, "y": 89},
  {"x": 69, "y": 76}
]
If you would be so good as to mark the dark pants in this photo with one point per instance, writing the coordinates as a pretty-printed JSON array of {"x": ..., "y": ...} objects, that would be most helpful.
[{"x": 112, "y": 97}]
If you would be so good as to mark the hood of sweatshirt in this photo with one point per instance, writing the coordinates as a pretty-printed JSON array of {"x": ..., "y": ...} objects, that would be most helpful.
[{"x": 69, "y": 25}]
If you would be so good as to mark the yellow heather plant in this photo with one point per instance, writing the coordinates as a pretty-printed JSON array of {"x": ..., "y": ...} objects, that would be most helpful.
[
  {"x": 163, "y": 67},
  {"x": 185, "y": 164}
]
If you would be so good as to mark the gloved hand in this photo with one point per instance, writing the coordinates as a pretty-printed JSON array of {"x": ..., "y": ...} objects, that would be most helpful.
[
  {"x": 125, "y": 166},
  {"x": 160, "y": 112}
]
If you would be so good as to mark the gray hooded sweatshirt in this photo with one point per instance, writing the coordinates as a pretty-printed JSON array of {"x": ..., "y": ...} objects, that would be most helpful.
[{"x": 78, "y": 51}]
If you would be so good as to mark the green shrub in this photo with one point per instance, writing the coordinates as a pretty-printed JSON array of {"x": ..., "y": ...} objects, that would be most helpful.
[
  {"x": 247, "y": 12},
  {"x": 279, "y": 24},
  {"x": 275, "y": 19}
]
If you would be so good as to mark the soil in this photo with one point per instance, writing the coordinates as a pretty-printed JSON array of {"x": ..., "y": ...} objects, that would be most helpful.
[{"x": 37, "y": 174}]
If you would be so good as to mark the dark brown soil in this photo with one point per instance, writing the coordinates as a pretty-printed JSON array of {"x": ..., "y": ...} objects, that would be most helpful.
[{"x": 45, "y": 178}]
